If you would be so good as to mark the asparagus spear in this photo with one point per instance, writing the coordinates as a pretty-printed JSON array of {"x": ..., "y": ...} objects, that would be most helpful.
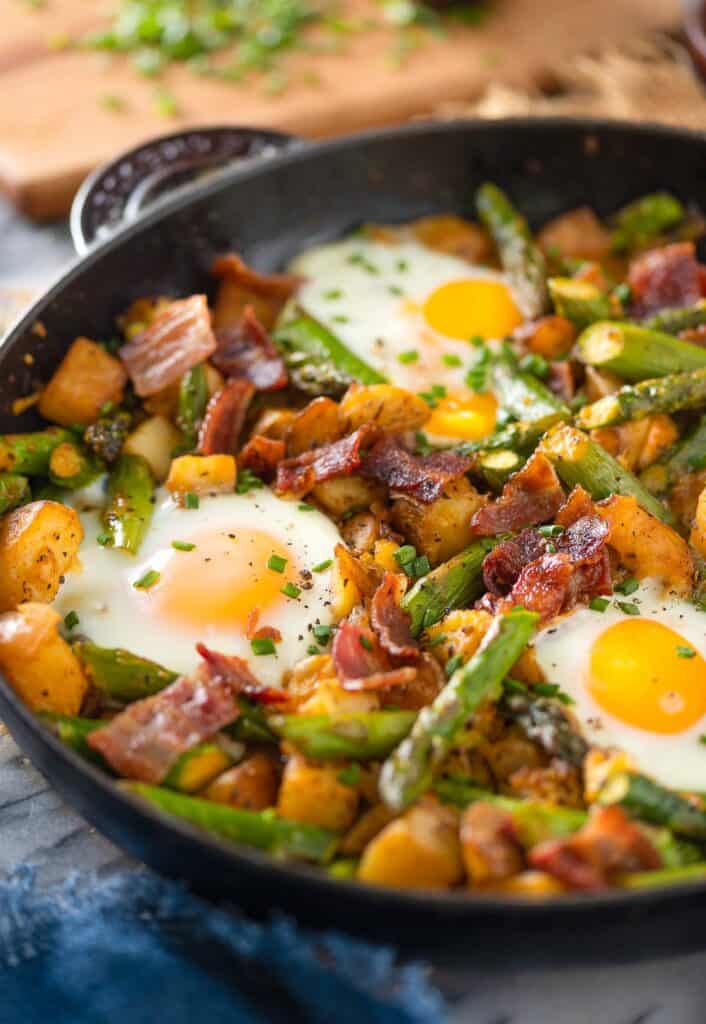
[
  {"x": 677, "y": 318},
  {"x": 262, "y": 829},
  {"x": 106, "y": 436},
  {"x": 581, "y": 302},
  {"x": 643, "y": 220},
  {"x": 130, "y": 509},
  {"x": 193, "y": 399},
  {"x": 521, "y": 437},
  {"x": 579, "y": 460},
  {"x": 497, "y": 466},
  {"x": 409, "y": 771},
  {"x": 453, "y": 584},
  {"x": 29, "y": 453},
  {"x": 521, "y": 259},
  {"x": 686, "y": 456},
  {"x": 636, "y": 352},
  {"x": 361, "y": 737},
  {"x": 14, "y": 491},
  {"x": 673, "y": 393},
  {"x": 523, "y": 395},
  {"x": 651, "y": 802},
  {"x": 123, "y": 676},
  {"x": 317, "y": 360},
  {"x": 72, "y": 467},
  {"x": 544, "y": 721},
  {"x": 665, "y": 876}
]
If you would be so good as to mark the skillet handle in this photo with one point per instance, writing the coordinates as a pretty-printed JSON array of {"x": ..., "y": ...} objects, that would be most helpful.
[{"x": 119, "y": 191}]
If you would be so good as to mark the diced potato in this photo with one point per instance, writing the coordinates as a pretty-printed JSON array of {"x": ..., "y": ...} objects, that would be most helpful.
[
  {"x": 384, "y": 555},
  {"x": 602, "y": 764},
  {"x": 343, "y": 494},
  {"x": 550, "y": 336},
  {"x": 274, "y": 423},
  {"x": 698, "y": 530},
  {"x": 576, "y": 234},
  {"x": 155, "y": 439},
  {"x": 87, "y": 378},
  {"x": 331, "y": 699},
  {"x": 393, "y": 409},
  {"x": 313, "y": 793},
  {"x": 420, "y": 850},
  {"x": 202, "y": 474},
  {"x": 454, "y": 235},
  {"x": 463, "y": 630},
  {"x": 684, "y": 496},
  {"x": 38, "y": 544},
  {"x": 536, "y": 884},
  {"x": 39, "y": 664},
  {"x": 250, "y": 785},
  {"x": 353, "y": 578},
  {"x": 317, "y": 424},
  {"x": 491, "y": 851},
  {"x": 645, "y": 545},
  {"x": 441, "y": 528},
  {"x": 370, "y": 824},
  {"x": 638, "y": 443},
  {"x": 661, "y": 435},
  {"x": 344, "y": 591},
  {"x": 361, "y": 532}
]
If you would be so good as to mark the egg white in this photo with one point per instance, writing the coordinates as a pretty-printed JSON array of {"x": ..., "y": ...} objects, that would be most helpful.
[
  {"x": 563, "y": 652},
  {"x": 112, "y": 612}
]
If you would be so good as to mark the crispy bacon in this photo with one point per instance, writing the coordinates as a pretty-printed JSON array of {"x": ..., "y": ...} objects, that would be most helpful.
[
  {"x": 607, "y": 846},
  {"x": 261, "y": 455},
  {"x": 247, "y": 350},
  {"x": 391, "y": 622},
  {"x": 542, "y": 586},
  {"x": 668, "y": 276},
  {"x": 241, "y": 286},
  {"x": 234, "y": 671},
  {"x": 503, "y": 565},
  {"x": 177, "y": 339},
  {"x": 578, "y": 504},
  {"x": 356, "y": 652},
  {"x": 341, "y": 458},
  {"x": 422, "y": 477},
  {"x": 531, "y": 496},
  {"x": 224, "y": 418},
  {"x": 393, "y": 677},
  {"x": 146, "y": 739}
]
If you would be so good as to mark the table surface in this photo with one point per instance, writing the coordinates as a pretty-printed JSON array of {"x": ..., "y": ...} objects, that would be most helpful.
[{"x": 37, "y": 826}]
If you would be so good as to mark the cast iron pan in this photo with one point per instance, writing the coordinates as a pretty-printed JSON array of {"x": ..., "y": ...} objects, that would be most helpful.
[{"x": 268, "y": 207}]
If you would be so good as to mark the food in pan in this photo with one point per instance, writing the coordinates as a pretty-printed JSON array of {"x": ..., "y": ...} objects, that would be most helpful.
[{"x": 393, "y": 563}]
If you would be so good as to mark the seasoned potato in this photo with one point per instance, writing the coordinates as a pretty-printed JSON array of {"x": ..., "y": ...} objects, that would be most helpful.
[
  {"x": 443, "y": 527},
  {"x": 454, "y": 235},
  {"x": 38, "y": 544},
  {"x": 318, "y": 423},
  {"x": 86, "y": 379},
  {"x": 368, "y": 825},
  {"x": 638, "y": 443},
  {"x": 698, "y": 530},
  {"x": 155, "y": 440},
  {"x": 393, "y": 409},
  {"x": 576, "y": 234},
  {"x": 331, "y": 699},
  {"x": 314, "y": 794},
  {"x": 462, "y": 630},
  {"x": 250, "y": 785},
  {"x": 420, "y": 850},
  {"x": 491, "y": 851},
  {"x": 344, "y": 494},
  {"x": 645, "y": 545},
  {"x": 39, "y": 664},
  {"x": 273, "y": 423},
  {"x": 202, "y": 474},
  {"x": 550, "y": 336}
]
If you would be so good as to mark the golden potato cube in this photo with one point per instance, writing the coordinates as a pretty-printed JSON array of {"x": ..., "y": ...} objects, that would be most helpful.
[
  {"x": 87, "y": 378},
  {"x": 40, "y": 665},
  {"x": 38, "y": 544},
  {"x": 250, "y": 785},
  {"x": 393, "y": 409},
  {"x": 420, "y": 850},
  {"x": 313, "y": 793},
  {"x": 155, "y": 439},
  {"x": 344, "y": 494},
  {"x": 441, "y": 528},
  {"x": 202, "y": 474},
  {"x": 462, "y": 631}
]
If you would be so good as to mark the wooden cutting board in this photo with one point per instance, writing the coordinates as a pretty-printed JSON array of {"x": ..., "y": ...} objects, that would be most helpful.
[{"x": 55, "y": 125}]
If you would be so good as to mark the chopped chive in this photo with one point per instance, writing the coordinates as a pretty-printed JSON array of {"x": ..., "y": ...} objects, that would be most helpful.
[
  {"x": 147, "y": 581},
  {"x": 514, "y": 686},
  {"x": 623, "y": 293},
  {"x": 276, "y": 563},
  {"x": 421, "y": 444},
  {"x": 702, "y": 738},
  {"x": 628, "y": 586},
  {"x": 365, "y": 642},
  {"x": 322, "y": 634},
  {"x": 552, "y": 690},
  {"x": 333, "y": 293},
  {"x": 191, "y": 500},
  {"x": 263, "y": 645},
  {"x": 551, "y": 531},
  {"x": 71, "y": 620},
  {"x": 410, "y": 356},
  {"x": 340, "y": 319},
  {"x": 109, "y": 101},
  {"x": 598, "y": 604},
  {"x": 685, "y": 652},
  {"x": 535, "y": 364},
  {"x": 421, "y": 566},
  {"x": 394, "y": 289},
  {"x": 183, "y": 545},
  {"x": 322, "y": 566},
  {"x": 349, "y": 776},
  {"x": 290, "y": 590},
  {"x": 628, "y": 607},
  {"x": 451, "y": 360},
  {"x": 303, "y": 507},
  {"x": 312, "y": 649},
  {"x": 405, "y": 555},
  {"x": 248, "y": 481},
  {"x": 402, "y": 266},
  {"x": 452, "y": 664},
  {"x": 436, "y": 640},
  {"x": 165, "y": 103},
  {"x": 103, "y": 539}
]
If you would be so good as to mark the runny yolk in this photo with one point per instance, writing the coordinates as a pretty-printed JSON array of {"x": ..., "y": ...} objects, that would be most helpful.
[
  {"x": 638, "y": 675},
  {"x": 222, "y": 580},
  {"x": 472, "y": 307},
  {"x": 467, "y": 418}
]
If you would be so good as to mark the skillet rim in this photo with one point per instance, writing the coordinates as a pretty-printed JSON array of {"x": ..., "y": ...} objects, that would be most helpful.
[{"x": 454, "y": 906}]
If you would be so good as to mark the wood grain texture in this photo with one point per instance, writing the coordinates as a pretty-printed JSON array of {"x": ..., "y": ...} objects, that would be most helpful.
[{"x": 54, "y": 129}]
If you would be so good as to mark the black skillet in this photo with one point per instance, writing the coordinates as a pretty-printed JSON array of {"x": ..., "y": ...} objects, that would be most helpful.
[{"x": 268, "y": 208}]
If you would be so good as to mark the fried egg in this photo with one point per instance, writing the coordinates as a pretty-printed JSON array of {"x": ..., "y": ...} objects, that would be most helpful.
[
  {"x": 638, "y": 681},
  {"x": 410, "y": 313},
  {"x": 219, "y": 585}
]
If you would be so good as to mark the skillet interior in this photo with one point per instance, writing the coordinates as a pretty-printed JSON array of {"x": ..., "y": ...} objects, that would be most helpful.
[{"x": 269, "y": 214}]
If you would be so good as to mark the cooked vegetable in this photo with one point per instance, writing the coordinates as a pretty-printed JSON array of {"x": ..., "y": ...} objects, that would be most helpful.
[
  {"x": 518, "y": 437},
  {"x": 193, "y": 399},
  {"x": 453, "y": 584},
  {"x": 439, "y": 529},
  {"x": 651, "y": 802},
  {"x": 672, "y": 393},
  {"x": 391, "y": 408},
  {"x": 673, "y": 320},
  {"x": 409, "y": 771},
  {"x": 580, "y": 301},
  {"x": 37, "y": 661},
  {"x": 521, "y": 259},
  {"x": 688, "y": 455},
  {"x": 14, "y": 491},
  {"x": 665, "y": 876},
  {"x": 318, "y": 362},
  {"x": 123, "y": 676},
  {"x": 72, "y": 467},
  {"x": 361, "y": 737},
  {"x": 30, "y": 453},
  {"x": 129, "y": 512},
  {"x": 38, "y": 544},
  {"x": 202, "y": 474},
  {"x": 251, "y": 785},
  {"x": 154, "y": 440},
  {"x": 107, "y": 435},
  {"x": 316, "y": 794},
  {"x": 523, "y": 395},
  {"x": 644, "y": 220},
  {"x": 87, "y": 379},
  {"x": 497, "y": 467},
  {"x": 636, "y": 353}
]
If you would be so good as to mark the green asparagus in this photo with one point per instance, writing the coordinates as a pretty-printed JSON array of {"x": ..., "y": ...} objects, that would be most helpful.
[
  {"x": 644, "y": 220},
  {"x": 409, "y": 771},
  {"x": 361, "y": 737},
  {"x": 579, "y": 460},
  {"x": 453, "y": 584},
  {"x": 544, "y": 721},
  {"x": 636, "y": 352},
  {"x": 193, "y": 399},
  {"x": 521, "y": 259},
  {"x": 518, "y": 437},
  {"x": 522, "y": 395},
  {"x": 581, "y": 302},
  {"x": 123, "y": 676},
  {"x": 665, "y": 876},
  {"x": 317, "y": 360},
  {"x": 674, "y": 393},
  {"x": 14, "y": 491},
  {"x": 675, "y": 319},
  {"x": 496, "y": 467},
  {"x": 261, "y": 829},
  {"x": 105, "y": 437},
  {"x": 687, "y": 456},
  {"x": 649, "y": 801},
  {"x": 29, "y": 453},
  {"x": 71, "y": 466},
  {"x": 129, "y": 512}
]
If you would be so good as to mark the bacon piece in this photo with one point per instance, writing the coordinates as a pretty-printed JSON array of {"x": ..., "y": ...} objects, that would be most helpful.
[
  {"x": 356, "y": 652},
  {"x": 390, "y": 622},
  {"x": 146, "y": 739},
  {"x": 224, "y": 418},
  {"x": 178, "y": 338},
  {"x": 392, "y": 677},
  {"x": 542, "y": 586},
  {"x": 668, "y": 276},
  {"x": 342, "y": 458},
  {"x": 234, "y": 671},
  {"x": 247, "y": 350},
  {"x": 578, "y": 504},
  {"x": 422, "y": 477},
  {"x": 503, "y": 565},
  {"x": 261, "y": 455},
  {"x": 531, "y": 496},
  {"x": 608, "y": 845},
  {"x": 241, "y": 286},
  {"x": 267, "y": 633},
  {"x": 490, "y": 844}
]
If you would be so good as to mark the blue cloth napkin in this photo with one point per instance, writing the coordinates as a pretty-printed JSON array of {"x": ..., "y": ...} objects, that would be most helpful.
[{"x": 138, "y": 949}]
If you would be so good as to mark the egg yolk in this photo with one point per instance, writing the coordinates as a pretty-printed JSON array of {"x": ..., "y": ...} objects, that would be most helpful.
[
  {"x": 638, "y": 675},
  {"x": 467, "y": 418},
  {"x": 222, "y": 580},
  {"x": 472, "y": 307}
]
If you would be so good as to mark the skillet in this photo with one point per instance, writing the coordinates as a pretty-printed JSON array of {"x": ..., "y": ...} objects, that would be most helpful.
[{"x": 276, "y": 197}]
